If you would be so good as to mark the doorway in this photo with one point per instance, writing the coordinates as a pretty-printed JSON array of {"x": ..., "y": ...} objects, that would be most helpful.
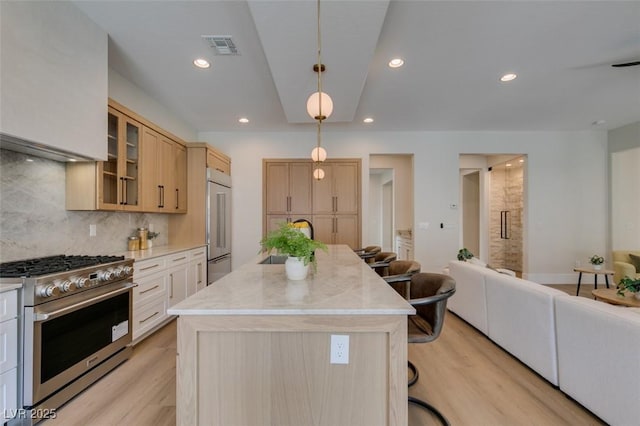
[
  {"x": 390, "y": 206},
  {"x": 492, "y": 213}
]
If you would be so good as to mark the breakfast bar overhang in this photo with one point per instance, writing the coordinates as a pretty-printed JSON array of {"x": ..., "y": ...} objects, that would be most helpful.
[{"x": 254, "y": 347}]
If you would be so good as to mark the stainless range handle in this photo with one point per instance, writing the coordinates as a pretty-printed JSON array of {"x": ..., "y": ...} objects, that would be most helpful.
[{"x": 45, "y": 316}]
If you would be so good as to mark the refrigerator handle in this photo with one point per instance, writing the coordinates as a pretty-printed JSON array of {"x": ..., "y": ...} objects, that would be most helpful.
[{"x": 219, "y": 213}]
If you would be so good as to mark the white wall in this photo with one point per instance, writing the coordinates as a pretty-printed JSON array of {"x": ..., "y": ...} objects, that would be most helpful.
[
  {"x": 624, "y": 149},
  {"x": 402, "y": 166},
  {"x": 128, "y": 94},
  {"x": 567, "y": 187}
]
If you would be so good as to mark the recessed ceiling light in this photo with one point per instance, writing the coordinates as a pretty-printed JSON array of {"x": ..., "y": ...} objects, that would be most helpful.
[
  {"x": 368, "y": 120},
  {"x": 201, "y": 63},
  {"x": 396, "y": 62},
  {"x": 521, "y": 160},
  {"x": 29, "y": 160},
  {"x": 72, "y": 160},
  {"x": 508, "y": 164},
  {"x": 508, "y": 77},
  {"x": 243, "y": 120}
]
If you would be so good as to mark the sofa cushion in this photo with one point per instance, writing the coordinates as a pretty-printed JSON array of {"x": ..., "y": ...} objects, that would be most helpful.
[
  {"x": 469, "y": 301},
  {"x": 635, "y": 261},
  {"x": 598, "y": 353},
  {"x": 521, "y": 319}
]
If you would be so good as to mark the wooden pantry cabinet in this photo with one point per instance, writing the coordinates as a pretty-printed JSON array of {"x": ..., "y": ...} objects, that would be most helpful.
[
  {"x": 332, "y": 204},
  {"x": 145, "y": 171}
]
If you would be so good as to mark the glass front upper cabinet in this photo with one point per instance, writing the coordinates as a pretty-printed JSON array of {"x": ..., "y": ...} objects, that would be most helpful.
[{"x": 120, "y": 176}]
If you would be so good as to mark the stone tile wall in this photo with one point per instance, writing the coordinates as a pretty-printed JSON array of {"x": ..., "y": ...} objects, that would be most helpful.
[
  {"x": 507, "y": 185},
  {"x": 34, "y": 222}
]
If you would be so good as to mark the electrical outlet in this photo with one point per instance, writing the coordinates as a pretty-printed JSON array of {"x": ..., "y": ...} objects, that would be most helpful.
[
  {"x": 92, "y": 230},
  {"x": 339, "y": 349}
]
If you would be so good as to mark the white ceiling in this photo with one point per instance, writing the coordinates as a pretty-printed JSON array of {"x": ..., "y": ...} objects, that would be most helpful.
[{"x": 454, "y": 54}]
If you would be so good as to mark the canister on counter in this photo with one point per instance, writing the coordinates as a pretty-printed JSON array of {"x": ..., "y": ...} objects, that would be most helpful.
[
  {"x": 143, "y": 233},
  {"x": 133, "y": 243}
]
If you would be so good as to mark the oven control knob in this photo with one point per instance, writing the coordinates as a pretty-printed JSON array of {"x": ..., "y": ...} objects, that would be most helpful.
[
  {"x": 128, "y": 270},
  {"x": 48, "y": 290},
  {"x": 80, "y": 282},
  {"x": 119, "y": 272},
  {"x": 64, "y": 285},
  {"x": 107, "y": 275}
]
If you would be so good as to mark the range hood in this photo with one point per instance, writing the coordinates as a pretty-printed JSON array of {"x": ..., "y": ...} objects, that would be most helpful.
[{"x": 14, "y": 143}]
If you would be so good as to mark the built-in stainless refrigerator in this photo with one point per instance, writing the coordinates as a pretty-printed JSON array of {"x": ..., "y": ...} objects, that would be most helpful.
[{"x": 218, "y": 225}]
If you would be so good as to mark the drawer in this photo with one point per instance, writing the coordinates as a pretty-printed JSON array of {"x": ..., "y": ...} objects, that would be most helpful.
[
  {"x": 8, "y": 392},
  {"x": 149, "y": 315},
  {"x": 149, "y": 287},
  {"x": 8, "y": 305},
  {"x": 146, "y": 267},
  {"x": 177, "y": 259},
  {"x": 198, "y": 254},
  {"x": 8, "y": 345}
]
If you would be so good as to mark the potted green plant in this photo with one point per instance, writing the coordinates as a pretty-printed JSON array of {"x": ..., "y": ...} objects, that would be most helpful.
[
  {"x": 464, "y": 254},
  {"x": 596, "y": 261},
  {"x": 629, "y": 284},
  {"x": 290, "y": 241}
]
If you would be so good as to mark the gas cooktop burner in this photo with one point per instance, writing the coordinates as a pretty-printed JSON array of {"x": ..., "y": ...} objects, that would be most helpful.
[{"x": 51, "y": 264}]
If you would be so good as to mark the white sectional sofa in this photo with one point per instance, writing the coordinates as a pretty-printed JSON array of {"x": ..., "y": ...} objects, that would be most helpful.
[
  {"x": 599, "y": 357},
  {"x": 589, "y": 349},
  {"x": 516, "y": 314}
]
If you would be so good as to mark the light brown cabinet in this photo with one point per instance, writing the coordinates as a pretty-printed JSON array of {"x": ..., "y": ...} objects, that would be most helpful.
[
  {"x": 332, "y": 205},
  {"x": 190, "y": 228},
  {"x": 342, "y": 229},
  {"x": 338, "y": 192},
  {"x": 114, "y": 184},
  {"x": 288, "y": 188},
  {"x": 218, "y": 162},
  {"x": 145, "y": 171},
  {"x": 165, "y": 173}
]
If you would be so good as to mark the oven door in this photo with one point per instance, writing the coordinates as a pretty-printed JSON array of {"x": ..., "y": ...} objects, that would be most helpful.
[{"x": 65, "y": 340}]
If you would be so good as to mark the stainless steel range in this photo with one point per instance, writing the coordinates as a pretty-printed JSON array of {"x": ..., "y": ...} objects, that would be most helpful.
[{"x": 76, "y": 324}]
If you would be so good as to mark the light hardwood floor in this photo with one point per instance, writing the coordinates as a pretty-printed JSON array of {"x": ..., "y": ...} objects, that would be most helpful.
[{"x": 469, "y": 378}]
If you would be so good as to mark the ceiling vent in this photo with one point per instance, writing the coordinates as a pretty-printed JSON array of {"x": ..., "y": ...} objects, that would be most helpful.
[{"x": 222, "y": 44}]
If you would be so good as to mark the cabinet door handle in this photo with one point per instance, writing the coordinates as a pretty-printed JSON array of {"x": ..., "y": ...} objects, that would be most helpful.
[
  {"x": 149, "y": 317},
  {"x": 220, "y": 170},
  {"x": 159, "y": 196},
  {"x": 149, "y": 289},
  {"x": 150, "y": 267},
  {"x": 336, "y": 207},
  {"x": 179, "y": 259},
  {"x": 171, "y": 287},
  {"x": 199, "y": 273},
  {"x": 123, "y": 197},
  {"x": 177, "y": 198}
]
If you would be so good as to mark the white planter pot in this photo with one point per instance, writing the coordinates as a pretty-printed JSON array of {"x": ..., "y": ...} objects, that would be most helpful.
[
  {"x": 597, "y": 267},
  {"x": 296, "y": 269}
]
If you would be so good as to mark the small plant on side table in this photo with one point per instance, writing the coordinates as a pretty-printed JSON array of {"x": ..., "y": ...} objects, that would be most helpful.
[
  {"x": 596, "y": 261},
  {"x": 629, "y": 284}
]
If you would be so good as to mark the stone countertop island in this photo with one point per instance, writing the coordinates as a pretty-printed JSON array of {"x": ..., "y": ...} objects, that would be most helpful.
[{"x": 254, "y": 348}]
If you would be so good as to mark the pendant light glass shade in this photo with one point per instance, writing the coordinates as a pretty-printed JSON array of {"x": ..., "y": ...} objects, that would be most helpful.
[
  {"x": 313, "y": 106},
  {"x": 318, "y": 154},
  {"x": 318, "y": 174}
]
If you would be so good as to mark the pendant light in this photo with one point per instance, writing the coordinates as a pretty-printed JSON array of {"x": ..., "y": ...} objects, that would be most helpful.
[{"x": 319, "y": 107}]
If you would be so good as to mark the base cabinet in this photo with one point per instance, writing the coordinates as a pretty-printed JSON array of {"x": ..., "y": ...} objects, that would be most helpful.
[
  {"x": 8, "y": 354},
  {"x": 162, "y": 282}
]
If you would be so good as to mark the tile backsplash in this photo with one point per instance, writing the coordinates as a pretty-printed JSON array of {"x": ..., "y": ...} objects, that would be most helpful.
[{"x": 34, "y": 221}]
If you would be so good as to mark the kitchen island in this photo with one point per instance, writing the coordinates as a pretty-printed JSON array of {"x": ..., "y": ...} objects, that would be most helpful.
[{"x": 254, "y": 348}]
